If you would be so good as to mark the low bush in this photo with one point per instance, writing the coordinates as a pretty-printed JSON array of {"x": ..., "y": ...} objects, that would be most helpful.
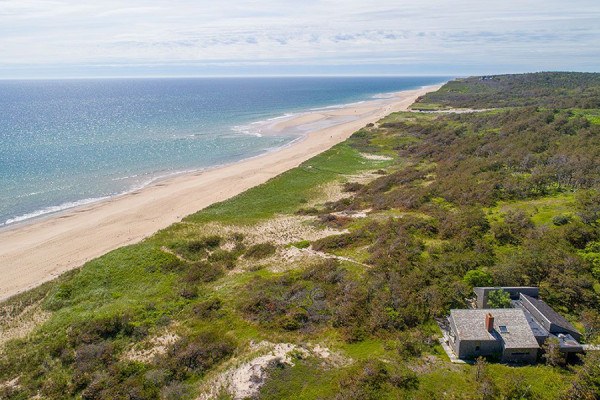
[
  {"x": 96, "y": 330},
  {"x": 188, "y": 291},
  {"x": 352, "y": 187},
  {"x": 223, "y": 258},
  {"x": 559, "y": 220},
  {"x": 202, "y": 272},
  {"x": 207, "y": 308},
  {"x": 260, "y": 250},
  {"x": 196, "y": 355},
  {"x": 197, "y": 249},
  {"x": 370, "y": 379},
  {"x": 303, "y": 244},
  {"x": 335, "y": 221},
  {"x": 344, "y": 240}
]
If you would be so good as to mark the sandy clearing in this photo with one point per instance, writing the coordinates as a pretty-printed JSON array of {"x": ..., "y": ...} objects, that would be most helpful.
[{"x": 33, "y": 253}]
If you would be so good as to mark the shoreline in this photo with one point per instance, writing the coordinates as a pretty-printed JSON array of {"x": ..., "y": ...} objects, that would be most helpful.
[
  {"x": 294, "y": 124},
  {"x": 40, "y": 249}
]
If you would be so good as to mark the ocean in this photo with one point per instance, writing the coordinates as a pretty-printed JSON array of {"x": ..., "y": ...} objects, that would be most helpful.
[{"x": 65, "y": 143}]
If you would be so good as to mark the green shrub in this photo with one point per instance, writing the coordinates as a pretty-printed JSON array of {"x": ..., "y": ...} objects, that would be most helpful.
[
  {"x": 352, "y": 187},
  {"x": 499, "y": 299},
  {"x": 371, "y": 379},
  {"x": 225, "y": 259},
  {"x": 188, "y": 292},
  {"x": 308, "y": 211},
  {"x": 197, "y": 249},
  {"x": 303, "y": 244},
  {"x": 559, "y": 220},
  {"x": 478, "y": 277},
  {"x": 198, "y": 354},
  {"x": 99, "y": 329},
  {"x": 260, "y": 250},
  {"x": 341, "y": 241},
  {"x": 207, "y": 308},
  {"x": 203, "y": 271}
]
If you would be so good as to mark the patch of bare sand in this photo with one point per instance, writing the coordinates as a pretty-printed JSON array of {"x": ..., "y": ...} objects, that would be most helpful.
[
  {"x": 152, "y": 347},
  {"x": 243, "y": 378},
  {"x": 294, "y": 254},
  {"x": 375, "y": 157},
  {"x": 353, "y": 214},
  {"x": 279, "y": 230},
  {"x": 20, "y": 324},
  {"x": 10, "y": 384}
]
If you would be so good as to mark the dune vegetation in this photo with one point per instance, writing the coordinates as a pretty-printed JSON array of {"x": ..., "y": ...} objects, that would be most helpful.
[{"x": 326, "y": 282}]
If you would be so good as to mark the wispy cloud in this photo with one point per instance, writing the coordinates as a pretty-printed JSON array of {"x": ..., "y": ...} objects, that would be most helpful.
[{"x": 519, "y": 34}]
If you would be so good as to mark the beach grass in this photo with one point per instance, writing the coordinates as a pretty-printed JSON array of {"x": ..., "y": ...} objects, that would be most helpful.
[{"x": 289, "y": 191}]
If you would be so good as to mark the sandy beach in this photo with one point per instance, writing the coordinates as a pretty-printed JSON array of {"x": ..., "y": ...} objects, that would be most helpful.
[{"x": 38, "y": 251}]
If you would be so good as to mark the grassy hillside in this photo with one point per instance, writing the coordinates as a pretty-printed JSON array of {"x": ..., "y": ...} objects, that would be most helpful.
[{"x": 327, "y": 280}]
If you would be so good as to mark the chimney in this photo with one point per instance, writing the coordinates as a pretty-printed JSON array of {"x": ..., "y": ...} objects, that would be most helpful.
[{"x": 489, "y": 322}]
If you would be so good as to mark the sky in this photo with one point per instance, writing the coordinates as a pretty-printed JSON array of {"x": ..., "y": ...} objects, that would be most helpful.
[{"x": 75, "y": 38}]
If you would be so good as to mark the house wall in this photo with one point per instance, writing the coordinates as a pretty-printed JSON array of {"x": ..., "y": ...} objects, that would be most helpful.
[
  {"x": 474, "y": 348},
  {"x": 526, "y": 356}
]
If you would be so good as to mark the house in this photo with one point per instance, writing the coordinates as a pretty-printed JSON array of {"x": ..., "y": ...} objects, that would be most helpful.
[
  {"x": 504, "y": 333},
  {"x": 513, "y": 334}
]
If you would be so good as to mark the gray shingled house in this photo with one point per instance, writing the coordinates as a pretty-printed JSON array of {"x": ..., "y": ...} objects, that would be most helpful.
[
  {"x": 504, "y": 333},
  {"x": 511, "y": 334}
]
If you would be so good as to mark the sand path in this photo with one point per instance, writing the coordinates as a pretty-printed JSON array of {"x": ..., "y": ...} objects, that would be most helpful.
[{"x": 33, "y": 253}]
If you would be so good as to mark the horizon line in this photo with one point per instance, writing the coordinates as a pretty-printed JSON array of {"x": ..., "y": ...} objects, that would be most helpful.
[{"x": 233, "y": 76}]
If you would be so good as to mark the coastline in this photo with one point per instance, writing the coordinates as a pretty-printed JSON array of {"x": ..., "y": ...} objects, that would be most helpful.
[{"x": 39, "y": 250}]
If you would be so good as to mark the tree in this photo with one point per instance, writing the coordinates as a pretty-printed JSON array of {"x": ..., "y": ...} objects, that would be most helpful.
[
  {"x": 586, "y": 385},
  {"x": 588, "y": 204},
  {"x": 487, "y": 389},
  {"x": 591, "y": 322},
  {"x": 499, "y": 299},
  {"x": 552, "y": 353},
  {"x": 478, "y": 277}
]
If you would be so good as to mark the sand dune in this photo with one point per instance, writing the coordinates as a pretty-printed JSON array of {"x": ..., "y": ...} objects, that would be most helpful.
[{"x": 33, "y": 253}]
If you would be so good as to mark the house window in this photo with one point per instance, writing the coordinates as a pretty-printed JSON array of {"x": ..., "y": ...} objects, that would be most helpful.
[
  {"x": 503, "y": 329},
  {"x": 476, "y": 348}
]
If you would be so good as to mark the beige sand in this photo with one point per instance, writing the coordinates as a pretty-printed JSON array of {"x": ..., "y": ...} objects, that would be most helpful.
[{"x": 33, "y": 253}]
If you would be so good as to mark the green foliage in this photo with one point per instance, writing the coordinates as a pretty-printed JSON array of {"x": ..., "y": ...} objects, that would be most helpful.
[
  {"x": 544, "y": 89},
  {"x": 306, "y": 379},
  {"x": 197, "y": 249},
  {"x": 498, "y": 299},
  {"x": 372, "y": 378},
  {"x": 586, "y": 385},
  {"x": 478, "y": 277},
  {"x": 552, "y": 354},
  {"x": 588, "y": 204},
  {"x": 303, "y": 244},
  {"x": 196, "y": 355},
  {"x": 260, "y": 250}
]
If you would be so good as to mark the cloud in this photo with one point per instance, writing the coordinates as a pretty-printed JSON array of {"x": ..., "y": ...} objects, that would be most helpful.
[{"x": 526, "y": 34}]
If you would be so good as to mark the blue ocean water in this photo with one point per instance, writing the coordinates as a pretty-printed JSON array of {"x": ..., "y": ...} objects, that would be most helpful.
[{"x": 70, "y": 142}]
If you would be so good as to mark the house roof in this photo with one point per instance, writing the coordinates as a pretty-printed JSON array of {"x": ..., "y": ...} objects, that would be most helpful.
[
  {"x": 515, "y": 334},
  {"x": 551, "y": 315},
  {"x": 537, "y": 329}
]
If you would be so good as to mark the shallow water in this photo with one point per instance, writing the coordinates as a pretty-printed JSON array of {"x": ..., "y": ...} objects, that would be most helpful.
[{"x": 70, "y": 142}]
